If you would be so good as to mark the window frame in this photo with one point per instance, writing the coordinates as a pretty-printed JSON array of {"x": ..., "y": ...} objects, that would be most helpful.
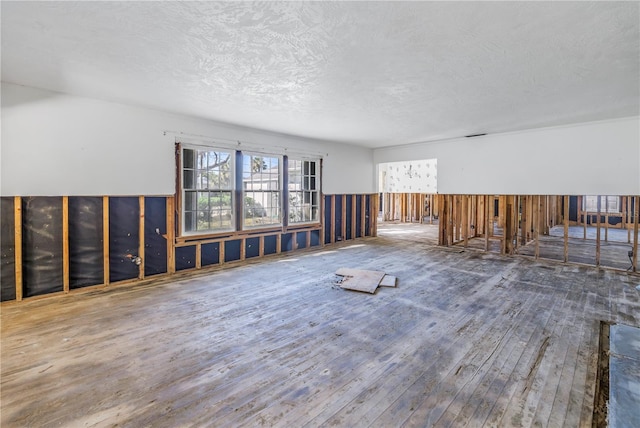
[
  {"x": 302, "y": 191},
  {"x": 182, "y": 191},
  {"x": 280, "y": 191},
  {"x": 237, "y": 221}
]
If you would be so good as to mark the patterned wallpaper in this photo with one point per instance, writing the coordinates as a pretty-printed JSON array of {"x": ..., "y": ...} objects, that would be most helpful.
[{"x": 419, "y": 176}]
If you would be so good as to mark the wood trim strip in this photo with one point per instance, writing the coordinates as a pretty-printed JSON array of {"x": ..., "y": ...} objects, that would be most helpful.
[
  {"x": 566, "y": 228},
  {"x": 65, "y": 244},
  {"x": 170, "y": 236},
  {"x": 17, "y": 212},
  {"x": 141, "y": 239},
  {"x": 105, "y": 239},
  {"x": 635, "y": 232}
]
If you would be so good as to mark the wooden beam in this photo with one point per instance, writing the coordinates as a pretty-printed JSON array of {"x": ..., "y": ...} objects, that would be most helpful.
[
  {"x": 606, "y": 218},
  {"x": 536, "y": 223},
  {"x": 598, "y": 232},
  {"x": 442, "y": 221},
  {"x": 17, "y": 218},
  {"x": 170, "y": 236},
  {"x": 261, "y": 243},
  {"x": 374, "y": 214},
  {"x": 631, "y": 217},
  {"x": 243, "y": 247},
  {"x": 198, "y": 255},
  {"x": 332, "y": 220},
  {"x": 141, "y": 240},
  {"x": 354, "y": 216},
  {"x": 65, "y": 244},
  {"x": 635, "y": 232},
  {"x": 465, "y": 219},
  {"x": 487, "y": 216},
  {"x": 502, "y": 210},
  {"x": 363, "y": 214},
  {"x": 566, "y": 228},
  {"x": 221, "y": 253},
  {"x": 105, "y": 239},
  {"x": 581, "y": 203},
  {"x": 343, "y": 231}
]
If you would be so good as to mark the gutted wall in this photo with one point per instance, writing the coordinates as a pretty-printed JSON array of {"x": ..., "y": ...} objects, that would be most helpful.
[
  {"x": 59, "y": 144},
  {"x": 588, "y": 158}
]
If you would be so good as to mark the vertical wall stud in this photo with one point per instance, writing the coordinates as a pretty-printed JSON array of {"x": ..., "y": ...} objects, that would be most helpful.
[
  {"x": 344, "y": 217},
  {"x": 373, "y": 214},
  {"x": 17, "y": 210},
  {"x": 105, "y": 238},
  {"x": 221, "y": 252},
  {"x": 141, "y": 240},
  {"x": 536, "y": 223},
  {"x": 606, "y": 218},
  {"x": 171, "y": 230},
  {"x": 363, "y": 214},
  {"x": 65, "y": 244},
  {"x": 261, "y": 245},
  {"x": 635, "y": 232},
  {"x": 465, "y": 220},
  {"x": 566, "y": 228},
  {"x": 333, "y": 219},
  {"x": 198, "y": 255},
  {"x": 487, "y": 205},
  {"x": 598, "y": 232},
  {"x": 354, "y": 215}
]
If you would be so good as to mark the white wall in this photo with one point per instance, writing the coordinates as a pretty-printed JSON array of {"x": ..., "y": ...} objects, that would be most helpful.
[
  {"x": 589, "y": 158},
  {"x": 59, "y": 144}
]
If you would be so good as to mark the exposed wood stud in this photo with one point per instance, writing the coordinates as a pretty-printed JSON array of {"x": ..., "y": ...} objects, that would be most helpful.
[
  {"x": 635, "y": 232},
  {"x": 598, "y": 231},
  {"x": 373, "y": 215},
  {"x": 566, "y": 228},
  {"x": 536, "y": 224},
  {"x": 170, "y": 236},
  {"x": 17, "y": 212},
  {"x": 333, "y": 219},
  {"x": 198, "y": 255},
  {"x": 343, "y": 231},
  {"x": 487, "y": 216},
  {"x": 105, "y": 239},
  {"x": 65, "y": 244},
  {"x": 261, "y": 245},
  {"x": 278, "y": 244},
  {"x": 141, "y": 241},
  {"x": 354, "y": 216},
  {"x": 243, "y": 248},
  {"x": 465, "y": 220},
  {"x": 363, "y": 214},
  {"x": 221, "y": 253}
]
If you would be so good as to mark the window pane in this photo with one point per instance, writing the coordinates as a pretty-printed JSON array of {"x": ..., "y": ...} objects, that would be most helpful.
[
  {"x": 209, "y": 172},
  {"x": 188, "y": 158},
  {"x": 303, "y": 194}
]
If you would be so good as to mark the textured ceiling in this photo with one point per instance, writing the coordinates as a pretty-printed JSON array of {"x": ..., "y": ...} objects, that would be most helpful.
[{"x": 375, "y": 74}]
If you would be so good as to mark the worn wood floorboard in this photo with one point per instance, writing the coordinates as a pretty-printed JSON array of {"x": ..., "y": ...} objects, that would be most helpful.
[{"x": 465, "y": 339}]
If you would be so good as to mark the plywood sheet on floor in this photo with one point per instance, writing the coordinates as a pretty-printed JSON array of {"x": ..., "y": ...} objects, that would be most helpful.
[{"x": 360, "y": 280}]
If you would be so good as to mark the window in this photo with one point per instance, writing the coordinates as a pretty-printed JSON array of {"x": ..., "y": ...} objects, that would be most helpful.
[
  {"x": 207, "y": 190},
  {"x": 224, "y": 190},
  {"x": 261, "y": 181},
  {"x": 304, "y": 194},
  {"x": 610, "y": 204}
]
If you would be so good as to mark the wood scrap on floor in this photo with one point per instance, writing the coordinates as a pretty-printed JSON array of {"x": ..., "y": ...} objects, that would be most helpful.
[{"x": 364, "y": 280}]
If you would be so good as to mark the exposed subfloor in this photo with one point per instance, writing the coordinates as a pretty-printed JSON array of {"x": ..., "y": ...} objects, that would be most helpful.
[{"x": 466, "y": 339}]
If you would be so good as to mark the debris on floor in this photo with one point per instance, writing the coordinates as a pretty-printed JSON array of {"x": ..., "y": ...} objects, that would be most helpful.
[{"x": 365, "y": 280}]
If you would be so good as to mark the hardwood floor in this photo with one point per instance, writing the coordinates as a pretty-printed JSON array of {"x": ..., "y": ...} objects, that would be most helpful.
[{"x": 466, "y": 339}]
